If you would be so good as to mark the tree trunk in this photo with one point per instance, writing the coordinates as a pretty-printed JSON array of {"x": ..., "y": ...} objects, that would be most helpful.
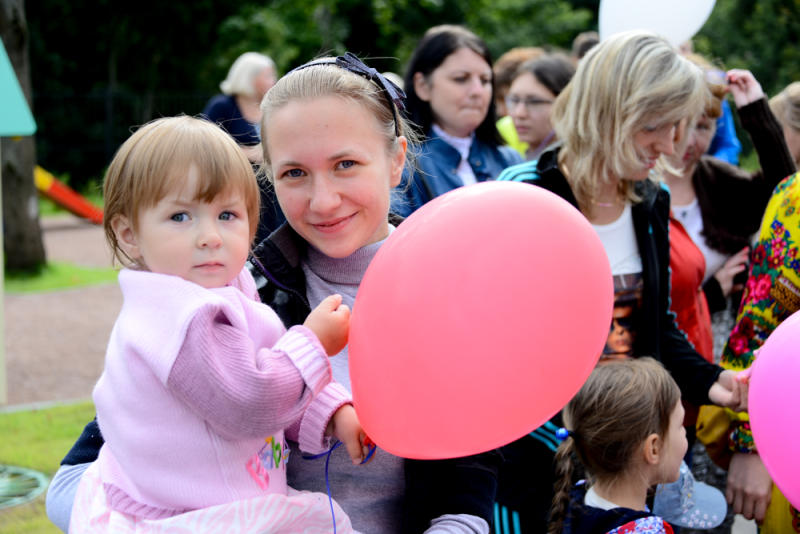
[{"x": 22, "y": 235}]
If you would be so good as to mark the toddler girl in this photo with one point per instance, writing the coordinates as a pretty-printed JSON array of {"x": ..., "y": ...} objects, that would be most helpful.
[{"x": 200, "y": 378}]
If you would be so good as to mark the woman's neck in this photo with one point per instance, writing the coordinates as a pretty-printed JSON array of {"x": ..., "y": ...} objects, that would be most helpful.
[
  {"x": 628, "y": 491},
  {"x": 607, "y": 204},
  {"x": 536, "y": 147},
  {"x": 250, "y": 108},
  {"x": 681, "y": 188}
]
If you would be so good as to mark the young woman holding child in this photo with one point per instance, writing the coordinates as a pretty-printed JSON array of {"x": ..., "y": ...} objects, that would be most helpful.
[
  {"x": 624, "y": 108},
  {"x": 335, "y": 145}
]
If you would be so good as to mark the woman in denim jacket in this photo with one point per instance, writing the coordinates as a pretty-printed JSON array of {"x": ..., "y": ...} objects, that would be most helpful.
[{"x": 449, "y": 83}]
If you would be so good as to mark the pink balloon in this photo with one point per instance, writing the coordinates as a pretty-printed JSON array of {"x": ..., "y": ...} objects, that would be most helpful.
[
  {"x": 477, "y": 321},
  {"x": 773, "y": 406}
]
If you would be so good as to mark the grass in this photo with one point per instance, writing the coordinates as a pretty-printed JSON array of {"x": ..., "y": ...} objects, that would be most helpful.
[
  {"x": 57, "y": 275},
  {"x": 38, "y": 439}
]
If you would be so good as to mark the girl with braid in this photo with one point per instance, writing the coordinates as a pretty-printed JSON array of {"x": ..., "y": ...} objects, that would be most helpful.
[{"x": 625, "y": 426}]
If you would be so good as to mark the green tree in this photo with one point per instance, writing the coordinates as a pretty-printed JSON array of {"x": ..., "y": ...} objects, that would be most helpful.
[
  {"x": 100, "y": 67},
  {"x": 387, "y": 32},
  {"x": 22, "y": 236}
]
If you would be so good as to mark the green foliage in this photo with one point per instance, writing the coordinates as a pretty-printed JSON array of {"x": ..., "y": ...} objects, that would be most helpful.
[
  {"x": 293, "y": 32},
  {"x": 762, "y": 36},
  {"x": 99, "y": 68},
  {"x": 505, "y": 24}
]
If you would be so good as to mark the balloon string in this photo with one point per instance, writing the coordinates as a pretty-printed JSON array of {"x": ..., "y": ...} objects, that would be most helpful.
[{"x": 328, "y": 454}]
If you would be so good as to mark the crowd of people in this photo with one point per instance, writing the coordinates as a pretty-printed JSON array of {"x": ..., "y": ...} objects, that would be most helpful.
[{"x": 250, "y": 228}]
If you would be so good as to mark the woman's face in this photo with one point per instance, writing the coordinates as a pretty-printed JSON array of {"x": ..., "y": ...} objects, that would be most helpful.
[
  {"x": 529, "y": 104},
  {"x": 700, "y": 137},
  {"x": 651, "y": 142},
  {"x": 264, "y": 81},
  {"x": 333, "y": 172},
  {"x": 459, "y": 92}
]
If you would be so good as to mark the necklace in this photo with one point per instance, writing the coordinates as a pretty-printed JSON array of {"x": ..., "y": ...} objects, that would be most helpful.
[{"x": 605, "y": 204}]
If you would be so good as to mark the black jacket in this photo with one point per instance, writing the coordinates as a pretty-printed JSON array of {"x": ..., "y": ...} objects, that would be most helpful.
[{"x": 528, "y": 476}]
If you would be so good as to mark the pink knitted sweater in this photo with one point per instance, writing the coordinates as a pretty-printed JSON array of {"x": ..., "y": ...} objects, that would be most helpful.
[{"x": 198, "y": 387}]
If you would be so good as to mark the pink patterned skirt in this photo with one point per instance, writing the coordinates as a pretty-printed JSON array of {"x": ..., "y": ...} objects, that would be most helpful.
[{"x": 298, "y": 512}]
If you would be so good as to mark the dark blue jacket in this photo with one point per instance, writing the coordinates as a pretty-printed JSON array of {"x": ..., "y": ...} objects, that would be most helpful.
[
  {"x": 437, "y": 162},
  {"x": 583, "y": 519},
  {"x": 222, "y": 110}
]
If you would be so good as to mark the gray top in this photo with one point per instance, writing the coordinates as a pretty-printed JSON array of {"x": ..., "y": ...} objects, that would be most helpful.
[{"x": 371, "y": 494}]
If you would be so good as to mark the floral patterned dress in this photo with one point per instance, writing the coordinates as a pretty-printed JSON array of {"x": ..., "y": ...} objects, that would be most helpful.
[{"x": 772, "y": 294}]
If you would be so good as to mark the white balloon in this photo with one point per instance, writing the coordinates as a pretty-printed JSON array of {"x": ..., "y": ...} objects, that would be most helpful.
[{"x": 676, "y": 20}]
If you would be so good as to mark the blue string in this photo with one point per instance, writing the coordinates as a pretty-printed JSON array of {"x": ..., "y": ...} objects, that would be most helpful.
[{"x": 328, "y": 454}]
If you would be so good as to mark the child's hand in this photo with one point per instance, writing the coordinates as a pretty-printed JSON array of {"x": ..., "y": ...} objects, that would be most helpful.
[
  {"x": 330, "y": 321},
  {"x": 730, "y": 391},
  {"x": 345, "y": 426}
]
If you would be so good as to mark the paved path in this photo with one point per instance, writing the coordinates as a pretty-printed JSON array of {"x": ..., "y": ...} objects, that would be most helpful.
[{"x": 55, "y": 341}]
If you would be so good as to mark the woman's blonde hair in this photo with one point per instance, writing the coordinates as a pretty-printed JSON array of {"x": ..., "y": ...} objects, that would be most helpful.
[
  {"x": 628, "y": 82},
  {"x": 619, "y": 406},
  {"x": 322, "y": 78},
  {"x": 786, "y": 106},
  {"x": 157, "y": 158}
]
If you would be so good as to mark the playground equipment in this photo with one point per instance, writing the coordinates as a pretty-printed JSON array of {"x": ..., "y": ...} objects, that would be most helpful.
[{"x": 64, "y": 196}]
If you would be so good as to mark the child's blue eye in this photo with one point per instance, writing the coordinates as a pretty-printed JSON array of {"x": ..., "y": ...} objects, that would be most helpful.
[
  {"x": 227, "y": 216},
  {"x": 346, "y": 164},
  {"x": 179, "y": 217}
]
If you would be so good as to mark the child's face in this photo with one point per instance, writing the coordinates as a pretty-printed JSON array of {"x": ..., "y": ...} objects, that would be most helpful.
[
  {"x": 333, "y": 173},
  {"x": 675, "y": 446},
  {"x": 204, "y": 243}
]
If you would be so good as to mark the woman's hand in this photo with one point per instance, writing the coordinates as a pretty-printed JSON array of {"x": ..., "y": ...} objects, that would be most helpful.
[
  {"x": 744, "y": 87},
  {"x": 730, "y": 390},
  {"x": 735, "y": 265},
  {"x": 749, "y": 488},
  {"x": 345, "y": 426}
]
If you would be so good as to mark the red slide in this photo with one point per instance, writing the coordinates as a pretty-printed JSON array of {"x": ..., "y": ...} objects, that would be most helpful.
[{"x": 67, "y": 198}]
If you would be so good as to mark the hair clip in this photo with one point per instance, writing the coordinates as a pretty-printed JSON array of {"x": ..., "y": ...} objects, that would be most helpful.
[
  {"x": 350, "y": 62},
  {"x": 562, "y": 434}
]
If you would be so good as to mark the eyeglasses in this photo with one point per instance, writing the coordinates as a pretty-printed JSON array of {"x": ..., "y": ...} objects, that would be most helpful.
[{"x": 530, "y": 103}]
